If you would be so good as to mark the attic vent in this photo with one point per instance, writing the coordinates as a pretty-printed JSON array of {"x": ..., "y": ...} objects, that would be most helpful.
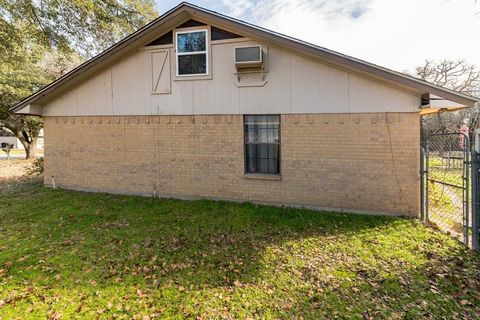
[
  {"x": 191, "y": 23},
  {"x": 248, "y": 57},
  {"x": 167, "y": 38},
  {"x": 220, "y": 34}
]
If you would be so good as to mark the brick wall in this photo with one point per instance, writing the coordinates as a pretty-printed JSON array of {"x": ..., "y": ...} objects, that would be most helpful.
[{"x": 354, "y": 162}]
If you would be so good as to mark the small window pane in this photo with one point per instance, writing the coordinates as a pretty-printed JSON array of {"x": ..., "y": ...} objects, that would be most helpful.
[
  {"x": 272, "y": 165},
  {"x": 273, "y": 150},
  {"x": 261, "y": 120},
  {"x": 263, "y": 151},
  {"x": 272, "y": 135},
  {"x": 273, "y": 120},
  {"x": 192, "y": 64},
  {"x": 263, "y": 165},
  {"x": 251, "y": 165},
  {"x": 251, "y": 150},
  {"x": 262, "y": 136},
  {"x": 191, "y": 42}
]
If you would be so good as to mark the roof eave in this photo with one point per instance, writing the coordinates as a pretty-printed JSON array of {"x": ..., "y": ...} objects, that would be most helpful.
[{"x": 254, "y": 32}]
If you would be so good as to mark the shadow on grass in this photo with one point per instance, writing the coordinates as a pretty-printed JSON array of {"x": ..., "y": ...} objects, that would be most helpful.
[
  {"x": 200, "y": 237},
  {"x": 110, "y": 255},
  {"x": 19, "y": 184}
]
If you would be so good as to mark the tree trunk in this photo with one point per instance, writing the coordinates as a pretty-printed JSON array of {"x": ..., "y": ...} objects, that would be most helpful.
[
  {"x": 29, "y": 146},
  {"x": 31, "y": 150}
]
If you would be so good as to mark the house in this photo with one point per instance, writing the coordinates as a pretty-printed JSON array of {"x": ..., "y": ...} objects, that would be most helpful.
[
  {"x": 8, "y": 137},
  {"x": 200, "y": 105}
]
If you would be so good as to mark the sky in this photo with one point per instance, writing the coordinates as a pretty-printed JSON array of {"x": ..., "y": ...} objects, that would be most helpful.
[{"x": 397, "y": 34}]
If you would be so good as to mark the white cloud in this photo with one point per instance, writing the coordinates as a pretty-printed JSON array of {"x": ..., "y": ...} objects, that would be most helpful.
[
  {"x": 258, "y": 11},
  {"x": 391, "y": 33}
]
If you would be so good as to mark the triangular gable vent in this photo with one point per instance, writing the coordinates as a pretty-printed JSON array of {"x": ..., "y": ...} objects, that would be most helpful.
[
  {"x": 191, "y": 23},
  {"x": 220, "y": 34},
  {"x": 216, "y": 34},
  {"x": 167, "y": 38}
]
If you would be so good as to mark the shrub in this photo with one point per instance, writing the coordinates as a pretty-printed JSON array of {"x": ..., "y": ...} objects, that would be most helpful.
[{"x": 37, "y": 167}]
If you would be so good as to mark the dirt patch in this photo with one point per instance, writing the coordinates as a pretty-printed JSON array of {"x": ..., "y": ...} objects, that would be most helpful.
[{"x": 14, "y": 176}]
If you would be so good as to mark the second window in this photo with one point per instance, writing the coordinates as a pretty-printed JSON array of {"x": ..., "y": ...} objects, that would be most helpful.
[{"x": 262, "y": 144}]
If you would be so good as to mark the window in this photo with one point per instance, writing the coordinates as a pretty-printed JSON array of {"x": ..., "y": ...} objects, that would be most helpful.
[
  {"x": 262, "y": 144},
  {"x": 192, "y": 53}
]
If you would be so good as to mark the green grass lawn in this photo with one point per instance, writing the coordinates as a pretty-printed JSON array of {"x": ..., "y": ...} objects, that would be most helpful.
[{"x": 66, "y": 254}]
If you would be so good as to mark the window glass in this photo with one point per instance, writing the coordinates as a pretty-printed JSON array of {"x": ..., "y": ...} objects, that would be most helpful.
[
  {"x": 248, "y": 54},
  {"x": 192, "y": 57},
  {"x": 262, "y": 144},
  {"x": 191, "y": 42},
  {"x": 192, "y": 64}
]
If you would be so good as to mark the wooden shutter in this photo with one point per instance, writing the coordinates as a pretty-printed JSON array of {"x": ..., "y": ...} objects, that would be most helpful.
[{"x": 161, "y": 82}]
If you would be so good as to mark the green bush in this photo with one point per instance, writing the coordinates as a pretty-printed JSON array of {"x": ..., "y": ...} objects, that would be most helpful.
[{"x": 37, "y": 167}]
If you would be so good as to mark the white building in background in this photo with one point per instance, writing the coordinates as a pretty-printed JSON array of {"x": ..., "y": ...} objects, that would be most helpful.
[{"x": 11, "y": 139}]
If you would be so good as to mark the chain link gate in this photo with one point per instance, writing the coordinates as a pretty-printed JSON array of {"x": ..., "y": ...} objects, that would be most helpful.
[{"x": 446, "y": 185}]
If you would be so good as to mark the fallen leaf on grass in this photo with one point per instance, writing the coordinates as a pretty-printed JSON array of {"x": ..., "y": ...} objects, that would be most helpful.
[
  {"x": 52, "y": 315},
  {"x": 464, "y": 302}
]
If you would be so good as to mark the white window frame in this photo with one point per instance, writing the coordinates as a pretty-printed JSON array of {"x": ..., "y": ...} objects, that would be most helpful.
[{"x": 177, "y": 54}]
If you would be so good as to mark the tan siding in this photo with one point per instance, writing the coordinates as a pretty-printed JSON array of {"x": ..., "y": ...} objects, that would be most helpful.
[
  {"x": 341, "y": 161},
  {"x": 295, "y": 85}
]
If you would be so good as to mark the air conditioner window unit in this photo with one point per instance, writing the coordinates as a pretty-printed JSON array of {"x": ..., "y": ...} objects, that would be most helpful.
[{"x": 248, "y": 57}]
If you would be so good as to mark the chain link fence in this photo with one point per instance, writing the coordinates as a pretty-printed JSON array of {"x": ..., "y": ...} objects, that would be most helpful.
[{"x": 446, "y": 183}]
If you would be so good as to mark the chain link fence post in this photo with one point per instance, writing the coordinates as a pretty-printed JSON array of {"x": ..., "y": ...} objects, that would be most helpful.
[{"x": 475, "y": 200}]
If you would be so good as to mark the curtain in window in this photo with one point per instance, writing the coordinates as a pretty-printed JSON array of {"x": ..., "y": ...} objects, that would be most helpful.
[{"x": 262, "y": 144}]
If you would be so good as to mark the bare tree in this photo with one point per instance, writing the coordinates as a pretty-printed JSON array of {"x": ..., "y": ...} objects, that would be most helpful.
[{"x": 456, "y": 75}]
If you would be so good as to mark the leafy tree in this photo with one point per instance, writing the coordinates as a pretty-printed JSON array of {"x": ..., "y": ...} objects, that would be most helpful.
[
  {"x": 20, "y": 75},
  {"x": 41, "y": 40},
  {"x": 87, "y": 26}
]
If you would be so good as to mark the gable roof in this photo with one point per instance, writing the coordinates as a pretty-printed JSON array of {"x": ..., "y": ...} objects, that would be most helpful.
[{"x": 185, "y": 11}]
